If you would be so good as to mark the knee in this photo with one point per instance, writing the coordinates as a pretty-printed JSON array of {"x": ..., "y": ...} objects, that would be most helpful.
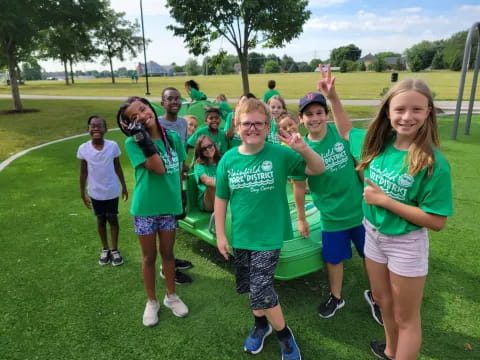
[
  {"x": 113, "y": 220},
  {"x": 167, "y": 257},
  {"x": 385, "y": 301},
  {"x": 407, "y": 320},
  {"x": 149, "y": 259},
  {"x": 101, "y": 220}
]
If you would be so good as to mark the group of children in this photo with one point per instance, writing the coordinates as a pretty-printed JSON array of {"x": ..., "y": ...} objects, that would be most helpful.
[{"x": 380, "y": 189}]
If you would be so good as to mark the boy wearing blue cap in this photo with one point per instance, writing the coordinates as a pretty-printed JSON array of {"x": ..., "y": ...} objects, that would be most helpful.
[{"x": 337, "y": 193}]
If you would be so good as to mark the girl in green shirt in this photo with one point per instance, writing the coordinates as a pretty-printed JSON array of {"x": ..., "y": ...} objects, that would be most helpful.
[
  {"x": 207, "y": 157},
  {"x": 156, "y": 155},
  {"x": 407, "y": 190},
  {"x": 193, "y": 90}
]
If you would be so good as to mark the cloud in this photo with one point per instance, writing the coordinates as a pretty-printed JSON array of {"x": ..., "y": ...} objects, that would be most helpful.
[
  {"x": 410, "y": 10},
  {"x": 325, "y": 3}
]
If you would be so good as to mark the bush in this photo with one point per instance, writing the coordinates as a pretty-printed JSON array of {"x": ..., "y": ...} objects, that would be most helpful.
[{"x": 272, "y": 67}]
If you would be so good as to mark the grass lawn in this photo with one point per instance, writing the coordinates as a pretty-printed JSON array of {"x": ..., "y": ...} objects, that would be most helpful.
[
  {"x": 58, "y": 303},
  {"x": 57, "y": 119},
  {"x": 357, "y": 85}
]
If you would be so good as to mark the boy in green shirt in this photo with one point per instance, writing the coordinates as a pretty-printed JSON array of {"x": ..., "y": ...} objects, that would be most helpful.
[
  {"x": 252, "y": 178},
  {"x": 271, "y": 91},
  {"x": 212, "y": 119}
]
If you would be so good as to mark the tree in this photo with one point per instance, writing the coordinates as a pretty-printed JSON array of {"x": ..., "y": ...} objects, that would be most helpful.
[
  {"x": 227, "y": 66},
  {"x": 303, "y": 66},
  {"x": 416, "y": 64},
  {"x": 344, "y": 66},
  {"x": 244, "y": 24},
  {"x": 454, "y": 47},
  {"x": 192, "y": 67},
  {"x": 31, "y": 70},
  {"x": 421, "y": 54},
  {"x": 379, "y": 65},
  {"x": 362, "y": 66},
  {"x": 272, "y": 67},
  {"x": 256, "y": 63},
  {"x": 314, "y": 63},
  {"x": 288, "y": 64},
  {"x": 437, "y": 61},
  {"x": 349, "y": 52},
  {"x": 20, "y": 25},
  {"x": 117, "y": 36}
]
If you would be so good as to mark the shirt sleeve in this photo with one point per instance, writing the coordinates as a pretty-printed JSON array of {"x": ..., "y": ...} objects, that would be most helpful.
[
  {"x": 80, "y": 154},
  {"x": 134, "y": 152},
  {"x": 222, "y": 190},
  {"x": 198, "y": 171},
  {"x": 355, "y": 139},
  {"x": 192, "y": 139},
  {"x": 116, "y": 150}
]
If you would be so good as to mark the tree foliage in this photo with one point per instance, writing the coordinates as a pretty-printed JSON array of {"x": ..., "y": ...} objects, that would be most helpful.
[
  {"x": 272, "y": 67},
  {"x": 256, "y": 62},
  {"x": 117, "y": 37},
  {"x": 192, "y": 67},
  {"x": 349, "y": 52},
  {"x": 420, "y": 56},
  {"x": 32, "y": 70},
  {"x": 454, "y": 49},
  {"x": 244, "y": 24}
]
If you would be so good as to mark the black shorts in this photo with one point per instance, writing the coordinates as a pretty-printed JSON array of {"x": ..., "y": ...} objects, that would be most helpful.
[
  {"x": 254, "y": 275},
  {"x": 105, "y": 207}
]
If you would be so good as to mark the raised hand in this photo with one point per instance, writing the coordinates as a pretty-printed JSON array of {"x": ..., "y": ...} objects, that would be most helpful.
[
  {"x": 295, "y": 141},
  {"x": 142, "y": 138},
  {"x": 326, "y": 85},
  {"x": 373, "y": 194}
]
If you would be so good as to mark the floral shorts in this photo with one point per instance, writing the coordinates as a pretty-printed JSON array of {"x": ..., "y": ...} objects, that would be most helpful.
[{"x": 146, "y": 225}]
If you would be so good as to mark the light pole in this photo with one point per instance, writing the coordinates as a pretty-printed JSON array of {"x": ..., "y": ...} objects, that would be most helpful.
[{"x": 144, "y": 51}]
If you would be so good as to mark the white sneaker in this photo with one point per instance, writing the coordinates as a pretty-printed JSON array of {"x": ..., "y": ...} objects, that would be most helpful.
[
  {"x": 174, "y": 303},
  {"x": 150, "y": 315}
]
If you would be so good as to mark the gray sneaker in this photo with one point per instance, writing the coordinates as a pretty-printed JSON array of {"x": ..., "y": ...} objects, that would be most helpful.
[
  {"x": 116, "y": 258},
  {"x": 174, "y": 303},
  {"x": 104, "y": 257}
]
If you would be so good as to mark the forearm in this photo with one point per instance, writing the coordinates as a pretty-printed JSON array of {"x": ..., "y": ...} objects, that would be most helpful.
[
  {"x": 83, "y": 183},
  {"x": 121, "y": 178},
  {"x": 208, "y": 181},
  {"x": 299, "y": 196},
  {"x": 342, "y": 121},
  {"x": 220, "y": 209},
  {"x": 415, "y": 215},
  {"x": 315, "y": 164},
  {"x": 154, "y": 163}
]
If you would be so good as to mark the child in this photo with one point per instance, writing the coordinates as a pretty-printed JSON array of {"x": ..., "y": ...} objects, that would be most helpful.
[
  {"x": 288, "y": 123},
  {"x": 212, "y": 119},
  {"x": 229, "y": 128},
  {"x": 193, "y": 90},
  {"x": 407, "y": 190},
  {"x": 100, "y": 165},
  {"x": 223, "y": 106},
  {"x": 277, "y": 106},
  {"x": 192, "y": 124},
  {"x": 271, "y": 91},
  {"x": 171, "y": 102},
  {"x": 337, "y": 193},
  {"x": 156, "y": 155},
  {"x": 253, "y": 178},
  {"x": 207, "y": 157}
]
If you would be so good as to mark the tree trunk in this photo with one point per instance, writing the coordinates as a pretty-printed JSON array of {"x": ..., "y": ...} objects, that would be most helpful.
[
  {"x": 244, "y": 69},
  {"x": 17, "y": 102},
  {"x": 66, "y": 72},
  {"x": 111, "y": 69},
  {"x": 71, "y": 71}
]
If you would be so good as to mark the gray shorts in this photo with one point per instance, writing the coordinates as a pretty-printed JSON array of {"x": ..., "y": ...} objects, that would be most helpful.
[{"x": 254, "y": 275}]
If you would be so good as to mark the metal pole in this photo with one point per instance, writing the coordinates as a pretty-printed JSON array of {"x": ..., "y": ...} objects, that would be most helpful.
[{"x": 144, "y": 51}]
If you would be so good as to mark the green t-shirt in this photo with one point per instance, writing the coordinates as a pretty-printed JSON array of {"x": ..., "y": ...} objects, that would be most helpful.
[
  {"x": 255, "y": 186},
  {"x": 219, "y": 138},
  {"x": 337, "y": 192},
  {"x": 224, "y": 109},
  {"x": 156, "y": 194},
  {"x": 269, "y": 93},
  {"x": 272, "y": 135},
  {"x": 389, "y": 171},
  {"x": 197, "y": 95},
  {"x": 199, "y": 170},
  {"x": 236, "y": 139}
]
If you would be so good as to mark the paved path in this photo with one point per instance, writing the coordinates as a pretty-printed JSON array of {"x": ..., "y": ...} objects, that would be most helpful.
[{"x": 444, "y": 105}]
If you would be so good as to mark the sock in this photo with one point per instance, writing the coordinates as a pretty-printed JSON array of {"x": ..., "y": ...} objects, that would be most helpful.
[
  {"x": 261, "y": 321},
  {"x": 284, "y": 334}
]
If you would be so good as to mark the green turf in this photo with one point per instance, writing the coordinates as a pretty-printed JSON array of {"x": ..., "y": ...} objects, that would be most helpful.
[
  {"x": 58, "y": 303},
  {"x": 357, "y": 85}
]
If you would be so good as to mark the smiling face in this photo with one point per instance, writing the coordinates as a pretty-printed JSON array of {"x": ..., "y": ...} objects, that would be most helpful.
[
  {"x": 212, "y": 120},
  {"x": 276, "y": 107},
  {"x": 407, "y": 113},
  {"x": 141, "y": 113},
  {"x": 314, "y": 117},
  {"x": 289, "y": 125},
  {"x": 253, "y": 127},
  {"x": 192, "y": 125},
  {"x": 97, "y": 128},
  {"x": 171, "y": 101},
  {"x": 207, "y": 147}
]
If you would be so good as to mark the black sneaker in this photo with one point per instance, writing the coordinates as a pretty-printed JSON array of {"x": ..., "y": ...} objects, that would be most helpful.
[
  {"x": 330, "y": 307},
  {"x": 182, "y": 264},
  {"x": 116, "y": 258},
  {"x": 104, "y": 257},
  {"x": 376, "y": 314},
  {"x": 378, "y": 349},
  {"x": 180, "y": 277}
]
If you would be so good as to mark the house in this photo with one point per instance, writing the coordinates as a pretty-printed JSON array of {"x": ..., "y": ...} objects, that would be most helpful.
[
  {"x": 368, "y": 59},
  {"x": 155, "y": 69}
]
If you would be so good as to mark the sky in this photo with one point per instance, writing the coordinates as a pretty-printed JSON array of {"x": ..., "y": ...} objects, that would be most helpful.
[{"x": 374, "y": 26}]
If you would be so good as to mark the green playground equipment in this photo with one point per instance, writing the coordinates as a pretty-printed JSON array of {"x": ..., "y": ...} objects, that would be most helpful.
[{"x": 298, "y": 257}]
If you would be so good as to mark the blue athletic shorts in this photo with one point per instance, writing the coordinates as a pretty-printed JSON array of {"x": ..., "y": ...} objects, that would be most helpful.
[
  {"x": 337, "y": 247},
  {"x": 105, "y": 207},
  {"x": 254, "y": 275},
  {"x": 146, "y": 225}
]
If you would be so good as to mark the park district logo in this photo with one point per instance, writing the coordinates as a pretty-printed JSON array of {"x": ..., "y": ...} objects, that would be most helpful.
[
  {"x": 257, "y": 178},
  {"x": 171, "y": 162},
  {"x": 394, "y": 185},
  {"x": 335, "y": 158}
]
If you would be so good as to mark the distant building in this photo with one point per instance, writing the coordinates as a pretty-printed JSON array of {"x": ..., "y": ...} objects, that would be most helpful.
[
  {"x": 391, "y": 61},
  {"x": 155, "y": 69},
  {"x": 368, "y": 59}
]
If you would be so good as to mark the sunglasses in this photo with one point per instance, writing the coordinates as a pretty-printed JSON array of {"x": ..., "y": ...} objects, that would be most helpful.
[{"x": 207, "y": 147}]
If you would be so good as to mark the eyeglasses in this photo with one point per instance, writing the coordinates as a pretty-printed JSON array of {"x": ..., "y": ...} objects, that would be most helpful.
[
  {"x": 172, "y": 99},
  {"x": 258, "y": 125},
  {"x": 207, "y": 147}
]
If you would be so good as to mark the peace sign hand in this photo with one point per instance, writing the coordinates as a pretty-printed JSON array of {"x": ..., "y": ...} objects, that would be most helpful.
[
  {"x": 295, "y": 141},
  {"x": 326, "y": 85}
]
